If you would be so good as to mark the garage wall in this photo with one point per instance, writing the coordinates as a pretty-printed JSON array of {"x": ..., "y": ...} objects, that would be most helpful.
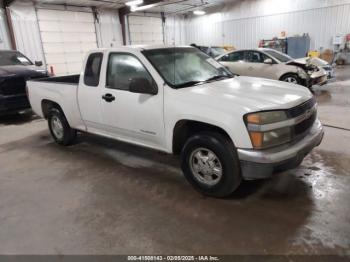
[
  {"x": 26, "y": 31},
  {"x": 64, "y": 35},
  {"x": 108, "y": 27},
  {"x": 244, "y": 23},
  {"x": 4, "y": 36},
  {"x": 175, "y": 30},
  {"x": 145, "y": 30}
]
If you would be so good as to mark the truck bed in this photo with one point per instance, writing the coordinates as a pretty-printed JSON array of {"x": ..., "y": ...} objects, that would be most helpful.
[
  {"x": 70, "y": 79},
  {"x": 62, "y": 90}
]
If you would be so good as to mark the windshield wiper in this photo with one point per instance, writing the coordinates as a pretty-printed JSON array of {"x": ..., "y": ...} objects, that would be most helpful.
[
  {"x": 217, "y": 77},
  {"x": 194, "y": 83},
  {"x": 189, "y": 83}
]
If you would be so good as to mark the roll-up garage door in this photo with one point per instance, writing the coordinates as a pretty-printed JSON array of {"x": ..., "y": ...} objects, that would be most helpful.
[
  {"x": 66, "y": 37},
  {"x": 145, "y": 30}
]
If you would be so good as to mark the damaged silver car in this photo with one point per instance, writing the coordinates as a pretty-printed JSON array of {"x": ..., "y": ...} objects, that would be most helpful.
[{"x": 271, "y": 64}]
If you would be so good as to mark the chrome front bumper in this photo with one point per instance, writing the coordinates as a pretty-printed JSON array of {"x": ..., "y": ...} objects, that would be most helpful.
[{"x": 256, "y": 164}]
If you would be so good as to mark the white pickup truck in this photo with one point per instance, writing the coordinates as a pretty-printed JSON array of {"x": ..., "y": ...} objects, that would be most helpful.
[{"x": 180, "y": 101}]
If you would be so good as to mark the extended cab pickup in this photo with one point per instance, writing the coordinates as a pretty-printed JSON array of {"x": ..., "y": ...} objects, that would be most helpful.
[{"x": 180, "y": 101}]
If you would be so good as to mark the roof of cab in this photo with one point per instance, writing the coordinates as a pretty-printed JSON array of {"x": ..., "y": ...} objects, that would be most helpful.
[{"x": 140, "y": 47}]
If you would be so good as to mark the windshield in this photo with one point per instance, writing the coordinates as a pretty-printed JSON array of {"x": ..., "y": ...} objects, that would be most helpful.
[
  {"x": 8, "y": 58},
  {"x": 182, "y": 67},
  {"x": 279, "y": 56}
]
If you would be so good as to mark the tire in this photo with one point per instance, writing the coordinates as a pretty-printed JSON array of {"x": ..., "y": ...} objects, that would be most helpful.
[
  {"x": 291, "y": 78},
  {"x": 60, "y": 130},
  {"x": 226, "y": 154}
]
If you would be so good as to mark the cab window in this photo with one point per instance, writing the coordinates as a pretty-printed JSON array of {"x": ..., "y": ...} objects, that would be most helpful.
[{"x": 93, "y": 69}]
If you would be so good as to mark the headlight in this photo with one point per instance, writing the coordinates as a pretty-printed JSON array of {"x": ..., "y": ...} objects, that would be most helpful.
[
  {"x": 302, "y": 73},
  {"x": 264, "y": 130}
]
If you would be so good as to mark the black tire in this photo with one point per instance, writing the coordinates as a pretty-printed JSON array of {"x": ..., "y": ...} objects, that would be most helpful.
[
  {"x": 225, "y": 151},
  {"x": 291, "y": 78},
  {"x": 68, "y": 134}
]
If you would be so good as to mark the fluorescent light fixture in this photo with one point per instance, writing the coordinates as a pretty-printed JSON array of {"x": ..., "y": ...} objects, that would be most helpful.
[
  {"x": 140, "y": 8},
  {"x": 199, "y": 12},
  {"x": 134, "y": 3}
]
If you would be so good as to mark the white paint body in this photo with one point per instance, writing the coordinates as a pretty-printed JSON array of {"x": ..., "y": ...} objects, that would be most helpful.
[{"x": 149, "y": 120}]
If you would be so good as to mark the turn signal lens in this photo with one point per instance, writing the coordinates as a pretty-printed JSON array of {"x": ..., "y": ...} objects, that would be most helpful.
[
  {"x": 254, "y": 118},
  {"x": 257, "y": 139}
]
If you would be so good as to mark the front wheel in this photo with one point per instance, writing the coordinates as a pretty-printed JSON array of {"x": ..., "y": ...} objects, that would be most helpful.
[
  {"x": 60, "y": 129},
  {"x": 291, "y": 78},
  {"x": 210, "y": 163}
]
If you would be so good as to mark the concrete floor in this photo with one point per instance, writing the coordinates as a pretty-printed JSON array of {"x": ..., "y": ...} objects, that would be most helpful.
[{"x": 105, "y": 197}]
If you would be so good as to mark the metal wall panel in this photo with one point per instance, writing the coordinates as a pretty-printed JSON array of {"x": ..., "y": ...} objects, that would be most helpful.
[
  {"x": 145, "y": 30},
  {"x": 4, "y": 36},
  {"x": 26, "y": 31},
  {"x": 73, "y": 19},
  {"x": 108, "y": 29},
  {"x": 66, "y": 37},
  {"x": 230, "y": 27},
  {"x": 175, "y": 30}
]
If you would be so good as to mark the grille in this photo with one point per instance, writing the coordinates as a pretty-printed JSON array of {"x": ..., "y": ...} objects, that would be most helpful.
[
  {"x": 17, "y": 102},
  {"x": 13, "y": 86},
  {"x": 301, "y": 128},
  {"x": 301, "y": 109}
]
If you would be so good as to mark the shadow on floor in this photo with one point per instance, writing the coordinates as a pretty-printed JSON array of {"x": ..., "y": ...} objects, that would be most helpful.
[
  {"x": 280, "y": 186},
  {"x": 18, "y": 118}
]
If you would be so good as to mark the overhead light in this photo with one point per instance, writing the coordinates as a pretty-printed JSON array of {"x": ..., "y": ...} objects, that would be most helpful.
[
  {"x": 199, "y": 12},
  {"x": 140, "y": 8},
  {"x": 134, "y": 3}
]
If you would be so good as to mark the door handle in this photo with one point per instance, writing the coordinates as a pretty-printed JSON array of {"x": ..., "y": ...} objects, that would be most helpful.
[
  {"x": 108, "y": 98},
  {"x": 250, "y": 68}
]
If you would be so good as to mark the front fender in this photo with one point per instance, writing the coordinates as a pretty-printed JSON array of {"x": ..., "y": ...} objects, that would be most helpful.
[{"x": 233, "y": 126}]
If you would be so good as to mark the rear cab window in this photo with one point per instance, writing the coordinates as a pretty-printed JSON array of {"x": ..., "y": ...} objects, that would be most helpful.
[{"x": 93, "y": 69}]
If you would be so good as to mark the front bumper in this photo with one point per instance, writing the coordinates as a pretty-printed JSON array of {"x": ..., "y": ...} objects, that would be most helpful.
[
  {"x": 13, "y": 103},
  {"x": 258, "y": 164},
  {"x": 320, "y": 80}
]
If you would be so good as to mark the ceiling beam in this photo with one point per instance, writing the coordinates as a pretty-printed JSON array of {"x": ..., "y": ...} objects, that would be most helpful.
[{"x": 127, "y": 10}]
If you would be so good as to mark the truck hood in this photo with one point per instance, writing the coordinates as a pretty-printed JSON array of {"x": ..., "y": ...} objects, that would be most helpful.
[
  {"x": 251, "y": 94},
  {"x": 23, "y": 71}
]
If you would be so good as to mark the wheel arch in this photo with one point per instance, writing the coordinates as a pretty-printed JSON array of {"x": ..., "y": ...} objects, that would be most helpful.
[
  {"x": 47, "y": 105},
  {"x": 287, "y": 74},
  {"x": 185, "y": 128}
]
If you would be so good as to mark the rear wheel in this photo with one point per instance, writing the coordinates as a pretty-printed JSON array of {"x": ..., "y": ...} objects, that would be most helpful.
[
  {"x": 59, "y": 128},
  {"x": 210, "y": 163},
  {"x": 291, "y": 78}
]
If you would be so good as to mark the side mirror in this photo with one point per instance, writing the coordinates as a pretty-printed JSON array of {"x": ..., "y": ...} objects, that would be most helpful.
[
  {"x": 142, "y": 86},
  {"x": 38, "y": 63},
  {"x": 268, "y": 61}
]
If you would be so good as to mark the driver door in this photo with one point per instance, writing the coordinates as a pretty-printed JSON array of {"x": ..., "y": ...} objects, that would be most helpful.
[
  {"x": 131, "y": 116},
  {"x": 257, "y": 67},
  {"x": 234, "y": 62}
]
